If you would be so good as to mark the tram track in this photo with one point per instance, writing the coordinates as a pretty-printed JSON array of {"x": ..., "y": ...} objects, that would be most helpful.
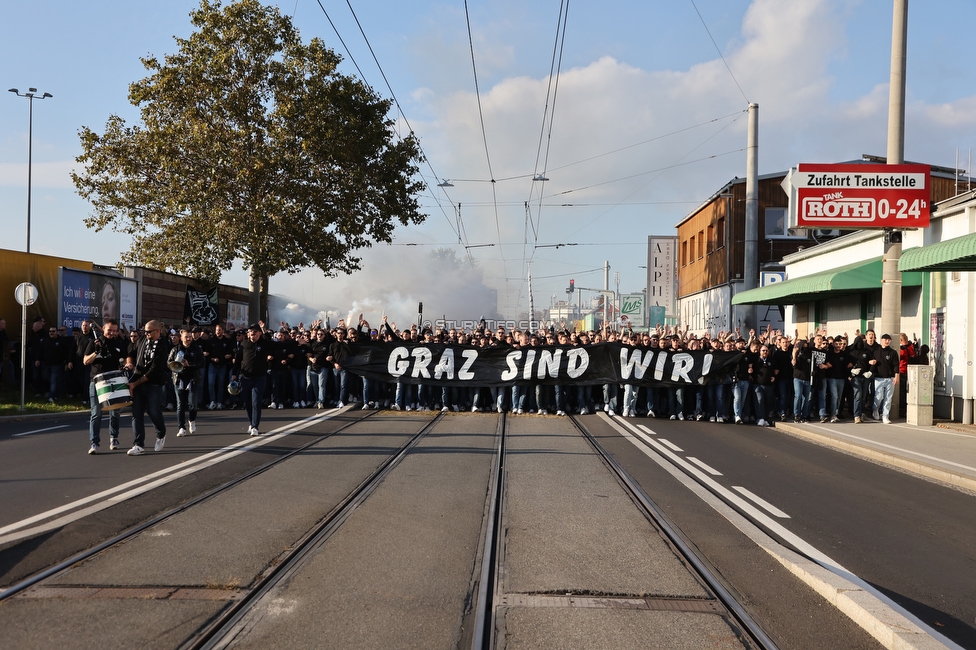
[
  {"x": 220, "y": 632},
  {"x": 482, "y": 468},
  {"x": 133, "y": 531},
  {"x": 752, "y": 632}
]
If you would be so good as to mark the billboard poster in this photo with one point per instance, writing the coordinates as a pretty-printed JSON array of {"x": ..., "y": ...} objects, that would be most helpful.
[
  {"x": 662, "y": 273},
  {"x": 632, "y": 309},
  {"x": 95, "y": 296},
  {"x": 237, "y": 314},
  {"x": 856, "y": 196}
]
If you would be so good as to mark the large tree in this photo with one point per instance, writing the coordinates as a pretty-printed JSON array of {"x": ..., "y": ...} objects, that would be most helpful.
[{"x": 254, "y": 147}]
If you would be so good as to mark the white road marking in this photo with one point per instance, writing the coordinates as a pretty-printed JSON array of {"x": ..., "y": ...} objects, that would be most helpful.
[
  {"x": 27, "y": 433},
  {"x": 882, "y": 616},
  {"x": 670, "y": 445},
  {"x": 710, "y": 470},
  {"x": 135, "y": 487},
  {"x": 645, "y": 429},
  {"x": 873, "y": 443},
  {"x": 776, "y": 512}
]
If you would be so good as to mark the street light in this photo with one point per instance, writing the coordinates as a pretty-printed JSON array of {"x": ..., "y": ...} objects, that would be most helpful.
[{"x": 30, "y": 95}]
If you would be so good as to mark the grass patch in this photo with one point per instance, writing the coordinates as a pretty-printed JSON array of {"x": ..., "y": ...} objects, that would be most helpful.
[{"x": 10, "y": 403}]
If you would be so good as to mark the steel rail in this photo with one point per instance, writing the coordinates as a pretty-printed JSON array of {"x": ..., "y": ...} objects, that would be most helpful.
[
  {"x": 488, "y": 583},
  {"x": 64, "y": 565},
  {"x": 750, "y": 627},
  {"x": 217, "y": 632}
]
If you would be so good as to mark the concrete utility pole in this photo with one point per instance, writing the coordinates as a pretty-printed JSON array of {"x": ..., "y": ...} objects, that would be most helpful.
[
  {"x": 606, "y": 287},
  {"x": 751, "y": 248},
  {"x": 890, "y": 276}
]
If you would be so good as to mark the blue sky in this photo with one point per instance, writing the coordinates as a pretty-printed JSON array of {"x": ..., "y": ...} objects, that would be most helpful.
[{"x": 641, "y": 79}]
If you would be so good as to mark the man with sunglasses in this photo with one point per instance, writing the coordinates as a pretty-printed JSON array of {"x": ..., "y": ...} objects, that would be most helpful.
[{"x": 148, "y": 379}]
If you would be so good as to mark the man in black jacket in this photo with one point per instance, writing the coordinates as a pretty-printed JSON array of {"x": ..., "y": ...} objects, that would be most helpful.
[
  {"x": 185, "y": 380},
  {"x": 885, "y": 362},
  {"x": 251, "y": 367},
  {"x": 150, "y": 375},
  {"x": 104, "y": 354}
]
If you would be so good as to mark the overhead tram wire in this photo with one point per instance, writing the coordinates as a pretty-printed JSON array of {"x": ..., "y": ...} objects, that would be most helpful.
[
  {"x": 722, "y": 56},
  {"x": 678, "y": 164},
  {"x": 484, "y": 132},
  {"x": 433, "y": 195},
  {"x": 558, "y": 65},
  {"x": 555, "y": 67}
]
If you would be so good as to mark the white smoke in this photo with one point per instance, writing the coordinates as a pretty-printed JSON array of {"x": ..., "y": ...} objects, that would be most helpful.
[{"x": 393, "y": 281}]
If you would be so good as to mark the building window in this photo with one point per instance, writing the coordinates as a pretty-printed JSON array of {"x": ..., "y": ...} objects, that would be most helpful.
[
  {"x": 691, "y": 251},
  {"x": 684, "y": 253},
  {"x": 720, "y": 233},
  {"x": 701, "y": 244},
  {"x": 710, "y": 242},
  {"x": 777, "y": 224}
]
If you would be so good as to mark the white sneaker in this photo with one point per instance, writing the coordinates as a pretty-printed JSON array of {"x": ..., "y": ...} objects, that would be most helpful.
[
  {"x": 93, "y": 449},
  {"x": 114, "y": 444},
  {"x": 193, "y": 426},
  {"x": 681, "y": 416},
  {"x": 474, "y": 409},
  {"x": 584, "y": 411},
  {"x": 220, "y": 406},
  {"x": 542, "y": 412},
  {"x": 340, "y": 405},
  {"x": 650, "y": 414},
  {"x": 720, "y": 420},
  {"x": 254, "y": 431},
  {"x": 674, "y": 417},
  {"x": 561, "y": 413},
  {"x": 160, "y": 443},
  {"x": 445, "y": 409},
  {"x": 409, "y": 408},
  {"x": 281, "y": 406},
  {"x": 711, "y": 418},
  {"x": 762, "y": 423},
  {"x": 212, "y": 406},
  {"x": 886, "y": 421},
  {"x": 136, "y": 451},
  {"x": 294, "y": 405},
  {"x": 395, "y": 407},
  {"x": 181, "y": 432},
  {"x": 520, "y": 412},
  {"x": 319, "y": 405}
]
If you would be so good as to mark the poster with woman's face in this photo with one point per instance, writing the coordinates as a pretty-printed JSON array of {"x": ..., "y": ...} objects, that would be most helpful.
[
  {"x": 95, "y": 297},
  {"x": 108, "y": 298}
]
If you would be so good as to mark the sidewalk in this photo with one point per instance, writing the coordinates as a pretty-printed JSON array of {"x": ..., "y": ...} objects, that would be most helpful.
[{"x": 945, "y": 452}]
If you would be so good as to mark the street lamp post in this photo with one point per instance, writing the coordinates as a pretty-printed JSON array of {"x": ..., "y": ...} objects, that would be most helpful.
[{"x": 30, "y": 95}]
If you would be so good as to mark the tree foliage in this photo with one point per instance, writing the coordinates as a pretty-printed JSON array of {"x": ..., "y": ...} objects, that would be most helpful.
[{"x": 251, "y": 146}]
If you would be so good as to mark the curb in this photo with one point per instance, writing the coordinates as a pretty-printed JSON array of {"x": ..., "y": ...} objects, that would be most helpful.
[
  {"x": 26, "y": 417},
  {"x": 934, "y": 472}
]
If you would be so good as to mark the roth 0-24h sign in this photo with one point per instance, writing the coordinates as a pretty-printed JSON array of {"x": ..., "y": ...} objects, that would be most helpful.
[{"x": 862, "y": 196}]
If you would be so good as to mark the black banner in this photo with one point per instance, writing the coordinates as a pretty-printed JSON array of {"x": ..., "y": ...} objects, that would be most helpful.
[
  {"x": 200, "y": 307},
  {"x": 439, "y": 364}
]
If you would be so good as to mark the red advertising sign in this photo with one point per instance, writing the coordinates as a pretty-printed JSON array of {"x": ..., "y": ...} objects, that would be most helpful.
[{"x": 857, "y": 196}]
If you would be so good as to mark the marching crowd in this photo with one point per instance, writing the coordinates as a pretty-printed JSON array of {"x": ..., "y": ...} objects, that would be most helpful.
[{"x": 197, "y": 368}]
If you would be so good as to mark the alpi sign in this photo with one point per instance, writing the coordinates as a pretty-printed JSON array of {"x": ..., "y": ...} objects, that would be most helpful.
[{"x": 862, "y": 196}]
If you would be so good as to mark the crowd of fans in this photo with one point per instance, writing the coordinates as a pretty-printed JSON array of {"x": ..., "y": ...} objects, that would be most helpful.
[{"x": 796, "y": 378}]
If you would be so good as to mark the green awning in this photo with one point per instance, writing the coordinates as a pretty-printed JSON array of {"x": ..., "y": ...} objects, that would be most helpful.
[
  {"x": 850, "y": 279},
  {"x": 957, "y": 254}
]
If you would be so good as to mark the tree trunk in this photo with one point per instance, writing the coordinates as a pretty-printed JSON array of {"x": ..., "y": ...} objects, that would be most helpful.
[
  {"x": 265, "y": 316},
  {"x": 254, "y": 298}
]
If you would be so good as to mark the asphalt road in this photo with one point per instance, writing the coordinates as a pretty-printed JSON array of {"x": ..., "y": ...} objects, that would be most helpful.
[{"x": 911, "y": 539}]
